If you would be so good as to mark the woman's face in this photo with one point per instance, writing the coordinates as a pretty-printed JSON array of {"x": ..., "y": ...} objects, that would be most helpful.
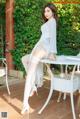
[{"x": 48, "y": 13}]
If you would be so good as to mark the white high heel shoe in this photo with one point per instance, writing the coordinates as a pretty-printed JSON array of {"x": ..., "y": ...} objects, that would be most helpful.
[{"x": 25, "y": 109}]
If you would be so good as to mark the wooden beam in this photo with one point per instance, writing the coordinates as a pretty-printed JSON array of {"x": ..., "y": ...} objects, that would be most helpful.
[{"x": 9, "y": 32}]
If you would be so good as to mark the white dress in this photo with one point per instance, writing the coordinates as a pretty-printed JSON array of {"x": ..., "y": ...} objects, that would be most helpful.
[
  {"x": 48, "y": 43},
  {"x": 31, "y": 62},
  {"x": 48, "y": 37}
]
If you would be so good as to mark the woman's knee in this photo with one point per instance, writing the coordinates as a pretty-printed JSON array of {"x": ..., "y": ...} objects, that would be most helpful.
[{"x": 25, "y": 58}]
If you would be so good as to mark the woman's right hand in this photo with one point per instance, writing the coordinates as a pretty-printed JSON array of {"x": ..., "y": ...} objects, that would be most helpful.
[{"x": 52, "y": 56}]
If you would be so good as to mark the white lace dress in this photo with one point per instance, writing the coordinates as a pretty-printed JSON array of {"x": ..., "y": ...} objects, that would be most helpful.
[
  {"x": 47, "y": 42},
  {"x": 31, "y": 62}
]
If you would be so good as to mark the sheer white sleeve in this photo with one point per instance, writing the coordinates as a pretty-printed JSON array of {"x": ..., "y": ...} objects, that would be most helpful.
[
  {"x": 49, "y": 36},
  {"x": 52, "y": 33}
]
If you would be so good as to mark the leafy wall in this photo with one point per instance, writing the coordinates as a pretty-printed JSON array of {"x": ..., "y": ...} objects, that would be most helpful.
[{"x": 27, "y": 22}]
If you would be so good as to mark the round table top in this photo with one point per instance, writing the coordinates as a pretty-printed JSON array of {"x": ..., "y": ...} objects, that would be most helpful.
[{"x": 64, "y": 60}]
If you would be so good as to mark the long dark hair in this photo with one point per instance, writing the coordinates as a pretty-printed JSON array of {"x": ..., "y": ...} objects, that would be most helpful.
[{"x": 53, "y": 9}]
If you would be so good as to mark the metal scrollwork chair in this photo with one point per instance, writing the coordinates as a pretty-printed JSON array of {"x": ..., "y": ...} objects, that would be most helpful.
[
  {"x": 3, "y": 72},
  {"x": 68, "y": 84},
  {"x": 77, "y": 72}
]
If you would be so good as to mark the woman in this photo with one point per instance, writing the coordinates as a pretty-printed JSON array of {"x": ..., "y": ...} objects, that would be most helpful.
[{"x": 45, "y": 48}]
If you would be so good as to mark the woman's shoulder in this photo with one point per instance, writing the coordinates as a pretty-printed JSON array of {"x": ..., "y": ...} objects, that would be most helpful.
[
  {"x": 43, "y": 25},
  {"x": 51, "y": 21}
]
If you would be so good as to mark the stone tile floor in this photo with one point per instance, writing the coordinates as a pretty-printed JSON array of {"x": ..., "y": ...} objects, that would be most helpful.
[{"x": 12, "y": 104}]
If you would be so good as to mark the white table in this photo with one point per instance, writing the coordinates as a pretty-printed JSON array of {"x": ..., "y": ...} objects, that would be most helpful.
[
  {"x": 60, "y": 60},
  {"x": 64, "y": 60}
]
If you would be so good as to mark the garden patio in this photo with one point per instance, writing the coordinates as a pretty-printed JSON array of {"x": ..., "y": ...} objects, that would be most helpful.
[
  {"x": 13, "y": 104},
  {"x": 20, "y": 23}
]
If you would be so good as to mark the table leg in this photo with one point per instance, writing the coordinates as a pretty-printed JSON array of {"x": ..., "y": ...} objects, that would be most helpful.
[
  {"x": 51, "y": 90},
  {"x": 47, "y": 101},
  {"x": 72, "y": 105}
]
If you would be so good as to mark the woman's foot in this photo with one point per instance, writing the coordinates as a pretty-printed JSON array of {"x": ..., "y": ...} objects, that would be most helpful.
[
  {"x": 33, "y": 91},
  {"x": 25, "y": 109}
]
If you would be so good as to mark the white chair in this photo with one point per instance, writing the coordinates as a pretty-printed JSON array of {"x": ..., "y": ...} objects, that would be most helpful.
[
  {"x": 67, "y": 84},
  {"x": 3, "y": 72},
  {"x": 62, "y": 75},
  {"x": 77, "y": 72}
]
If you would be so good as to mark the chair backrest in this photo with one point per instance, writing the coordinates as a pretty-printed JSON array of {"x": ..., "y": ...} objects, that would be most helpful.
[
  {"x": 73, "y": 72},
  {"x": 2, "y": 72},
  {"x": 78, "y": 67},
  {"x": 3, "y": 68}
]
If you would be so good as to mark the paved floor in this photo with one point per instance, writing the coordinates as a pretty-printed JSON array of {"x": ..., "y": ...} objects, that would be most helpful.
[{"x": 13, "y": 104}]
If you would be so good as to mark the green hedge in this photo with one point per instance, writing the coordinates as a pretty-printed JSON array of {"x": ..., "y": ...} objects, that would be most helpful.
[
  {"x": 2, "y": 29},
  {"x": 69, "y": 29},
  {"x": 27, "y": 22},
  {"x": 27, "y": 19}
]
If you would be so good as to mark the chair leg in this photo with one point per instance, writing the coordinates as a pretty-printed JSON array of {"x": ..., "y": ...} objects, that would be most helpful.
[
  {"x": 48, "y": 99},
  {"x": 7, "y": 85},
  {"x": 64, "y": 98},
  {"x": 72, "y": 105},
  {"x": 59, "y": 97}
]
